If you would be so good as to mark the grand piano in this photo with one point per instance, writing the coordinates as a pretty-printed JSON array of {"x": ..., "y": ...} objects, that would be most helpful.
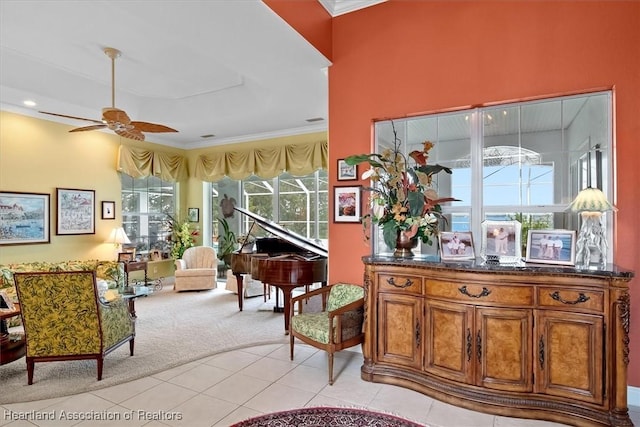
[{"x": 286, "y": 261}]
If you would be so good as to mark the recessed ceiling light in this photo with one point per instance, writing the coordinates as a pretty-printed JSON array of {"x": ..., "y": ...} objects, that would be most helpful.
[
  {"x": 209, "y": 135},
  {"x": 315, "y": 119},
  {"x": 29, "y": 103}
]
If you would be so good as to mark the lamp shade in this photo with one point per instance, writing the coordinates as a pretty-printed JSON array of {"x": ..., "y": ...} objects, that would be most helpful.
[
  {"x": 590, "y": 200},
  {"x": 118, "y": 236}
]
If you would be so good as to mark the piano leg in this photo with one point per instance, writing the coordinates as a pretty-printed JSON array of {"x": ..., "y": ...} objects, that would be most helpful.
[
  {"x": 277, "y": 308},
  {"x": 240, "y": 290},
  {"x": 286, "y": 291}
]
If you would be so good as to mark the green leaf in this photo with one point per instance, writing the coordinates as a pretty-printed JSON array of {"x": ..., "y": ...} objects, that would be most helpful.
[{"x": 390, "y": 234}]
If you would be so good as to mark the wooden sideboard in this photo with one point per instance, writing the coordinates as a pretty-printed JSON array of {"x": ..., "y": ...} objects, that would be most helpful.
[{"x": 549, "y": 343}]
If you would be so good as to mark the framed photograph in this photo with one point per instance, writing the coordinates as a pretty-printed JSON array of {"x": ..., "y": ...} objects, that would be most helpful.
[
  {"x": 126, "y": 256},
  {"x": 5, "y": 302},
  {"x": 551, "y": 247},
  {"x": 456, "y": 245},
  {"x": 347, "y": 172},
  {"x": 155, "y": 255},
  {"x": 108, "y": 210},
  {"x": 347, "y": 204},
  {"x": 25, "y": 218},
  {"x": 501, "y": 239},
  {"x": 76, "y": 211},
  {"x": 193, "y": 214}
]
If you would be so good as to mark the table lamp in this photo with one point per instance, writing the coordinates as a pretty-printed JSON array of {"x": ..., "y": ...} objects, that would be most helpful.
[
  {"x": 118, "y": 237},
  {"x": 591, "y": 202}
]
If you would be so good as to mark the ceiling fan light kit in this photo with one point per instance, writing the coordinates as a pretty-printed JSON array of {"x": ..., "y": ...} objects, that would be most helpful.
[{"x": 114, "y": 118}]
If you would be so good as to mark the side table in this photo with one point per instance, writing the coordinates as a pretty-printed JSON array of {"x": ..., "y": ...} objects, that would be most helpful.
[
  {"x": 134, "y": 266},
  {"x": 12, "y": 346}
]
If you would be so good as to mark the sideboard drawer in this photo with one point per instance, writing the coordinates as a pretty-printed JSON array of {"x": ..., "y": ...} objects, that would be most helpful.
[
  {"x": 399, "y": 282},
  {"x": 571, "y": 298},
  {"x": 480, "y": 293}
]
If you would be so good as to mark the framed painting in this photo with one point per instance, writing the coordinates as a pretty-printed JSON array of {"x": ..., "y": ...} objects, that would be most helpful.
[
  {"x": 25, "y": 218},
  {"x": 126, "y": 256},
  {"x": 76, "y": 211},
  {"x": 347, "y": 172},
  {"x": 551, "y": 247},
  {"x": 456, "y": 245},
  {"x": 347, "y": 204},
  {"x": 501, "y": 239},
  {"x": 108, "y": 210},
  {"x": 193, "y": 214}
]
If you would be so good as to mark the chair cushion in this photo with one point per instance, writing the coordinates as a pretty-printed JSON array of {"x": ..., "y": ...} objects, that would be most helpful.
[
  {"x": 342, "y": 294},
  {"x": 312, "y": 325},
  {"x": 196, "y": 272}
]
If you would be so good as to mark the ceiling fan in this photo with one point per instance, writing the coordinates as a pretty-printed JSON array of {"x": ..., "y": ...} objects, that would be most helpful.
[{"x": 114, "y": 118}]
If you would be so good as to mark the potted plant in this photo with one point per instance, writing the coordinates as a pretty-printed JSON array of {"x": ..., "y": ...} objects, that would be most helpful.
[{"x": 226, "y": 243}]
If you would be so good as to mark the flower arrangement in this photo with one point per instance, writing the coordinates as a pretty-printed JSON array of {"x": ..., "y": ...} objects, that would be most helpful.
[
  {"x": 404, "y": 202},
  {"x": 182, "y": 236}
]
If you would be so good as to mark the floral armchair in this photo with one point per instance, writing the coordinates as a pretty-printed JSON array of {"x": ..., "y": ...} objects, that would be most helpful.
[
  {"x": 337, "y": 327},
  {"x": 64, "y": 319}
]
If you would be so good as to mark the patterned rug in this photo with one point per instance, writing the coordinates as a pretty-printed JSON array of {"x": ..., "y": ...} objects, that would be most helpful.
[{"x": 327, "y": 417}]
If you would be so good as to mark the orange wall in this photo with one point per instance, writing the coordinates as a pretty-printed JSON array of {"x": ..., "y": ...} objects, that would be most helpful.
[{"x": 406, "y": 57}]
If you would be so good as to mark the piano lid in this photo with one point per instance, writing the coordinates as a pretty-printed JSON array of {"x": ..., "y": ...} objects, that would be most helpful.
[{"x": 285, "y": 234}]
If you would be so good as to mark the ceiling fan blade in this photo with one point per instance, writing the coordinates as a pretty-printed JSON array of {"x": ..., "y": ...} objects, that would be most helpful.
[
  {"x": 130, "y": 133},
  {"x": 70, "y": 117},
  {"x": 117, "y": 115},
  {"x": 92, "y": 127},
  {"x": 151, "y": 127}
]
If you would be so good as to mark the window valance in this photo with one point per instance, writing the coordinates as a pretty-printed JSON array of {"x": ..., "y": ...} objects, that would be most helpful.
[
  {"x": 296, "y": 159},
  {"x": 139, "y": 163}
]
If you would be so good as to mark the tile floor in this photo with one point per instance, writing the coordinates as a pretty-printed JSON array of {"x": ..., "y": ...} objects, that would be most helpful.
[{"x": 223, "y": 389}]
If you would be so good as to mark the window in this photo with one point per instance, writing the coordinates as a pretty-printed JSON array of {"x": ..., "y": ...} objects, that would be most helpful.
[
  {"x": 522, "y": 161},
  {"x": 299, "y": 204},
  {"x": 146, "y": 202}
]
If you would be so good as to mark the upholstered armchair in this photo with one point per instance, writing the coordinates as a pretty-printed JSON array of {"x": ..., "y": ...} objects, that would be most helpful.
[
  {"x": 196, "y": 270},
  {"x": 64, "y": 319},
  {"x": 337, "y": 327}
]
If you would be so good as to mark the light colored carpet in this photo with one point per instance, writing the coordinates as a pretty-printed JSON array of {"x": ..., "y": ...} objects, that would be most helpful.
[{"x": 172, "y": 329}]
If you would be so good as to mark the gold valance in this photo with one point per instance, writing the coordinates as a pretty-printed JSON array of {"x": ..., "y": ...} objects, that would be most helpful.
[
  {"x": 139, "y": 163},
  {"x": 296, "y": 159}
]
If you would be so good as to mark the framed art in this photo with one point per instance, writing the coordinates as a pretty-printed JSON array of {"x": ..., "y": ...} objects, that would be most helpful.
[
  {"x": 108, "y": 210},
  {"x": 501, "y": 239},
  {"x": 193, "y": 214},
  {"x": 456, "y": 245},
  {"x": 155, "y": 255},
  {"x": 25, "y": 218},
  {"x": 551, "y": 247},
  {"x": 347, "y": 204},
  {"x": 347, "y": 172},
  {"x": 126, "y": 256},
  {"x": 76, "y": 211}
]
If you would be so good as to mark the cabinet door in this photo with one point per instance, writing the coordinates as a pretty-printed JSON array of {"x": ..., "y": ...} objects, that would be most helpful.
[
  {"x": 504, "y": 349},
  {"x": 450, "y": 340},
  {"x": 569, "y": 355},
  {"x": 400, "y": 330}
]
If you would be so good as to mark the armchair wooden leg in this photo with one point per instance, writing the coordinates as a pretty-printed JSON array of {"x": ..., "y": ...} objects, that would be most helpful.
[
  {"x": 30, "y": 366},
  {"x": 100, "y": 364},
  {"x": 330, "y": 368}
]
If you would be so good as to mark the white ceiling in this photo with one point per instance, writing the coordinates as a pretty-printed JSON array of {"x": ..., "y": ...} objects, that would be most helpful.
[{"x": 230, "y": 68}]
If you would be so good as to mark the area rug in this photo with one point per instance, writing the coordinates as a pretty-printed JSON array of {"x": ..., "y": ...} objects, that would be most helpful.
[
  {"x": 172, "y": 329},
  {"x": 326, "y": 417}
]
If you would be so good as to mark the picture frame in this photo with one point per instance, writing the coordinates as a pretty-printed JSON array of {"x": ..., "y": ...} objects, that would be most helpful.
[
  {"x": 193, "y": 214},
  {"x": 126, "y": 256},
  {"x": 501, "y": 241},
  {"x": 76, "y": 211},
  {"x": 562, "y": 251},
  {"x": 30, "y": 223},
  {"x": 6, "y": 304},
  {"x": 456, "y": 245},
  {"x": 347, "y": 172},
  {"x": 155, "y": 255},
  {"x": 108, "y": 210},
  {"x": 347, "y": 203}
]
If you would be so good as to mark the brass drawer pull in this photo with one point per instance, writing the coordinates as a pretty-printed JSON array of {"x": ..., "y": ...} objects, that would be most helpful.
[
  {"x": 581, "y": 298},
  {"x": 406, "y": 284},
  {"x": 463, "y": 290}
]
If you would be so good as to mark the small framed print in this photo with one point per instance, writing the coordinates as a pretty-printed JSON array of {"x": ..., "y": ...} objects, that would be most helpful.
[
  {"x": 551, "y": 247},
  {"x": 126, "y": 256},
  {"x": 155, "y": 255},
  {"x": 75, "y": 211},
  {"x": 456, "y": 245},
  {"x": 193, "y": 214},
  {"x": 501, "y": 239},
  {"x": 347, "y": 172},
  {"x": 347, "y": 204},
  {"x": 109, "y": 210}
]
